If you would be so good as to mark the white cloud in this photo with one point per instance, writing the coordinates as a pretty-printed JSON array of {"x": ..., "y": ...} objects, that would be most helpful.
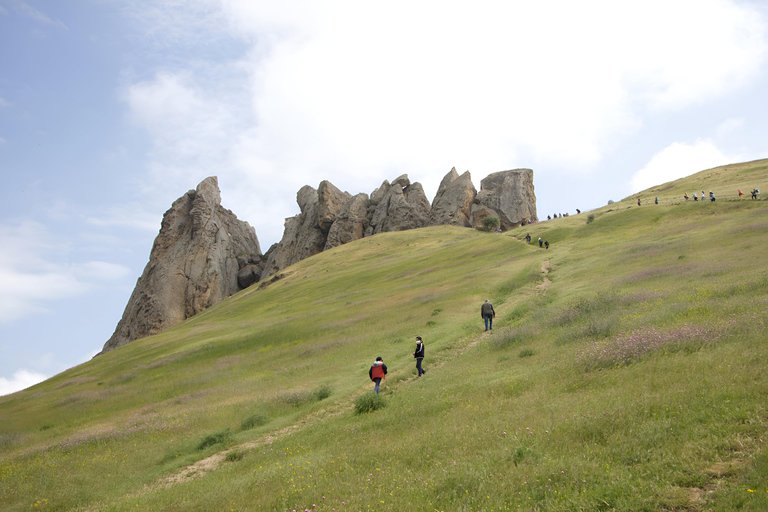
[
  {"x": 21, "y": 379},
  {"x": 356, "y": 92},
  {"x": 677, "y": 161},
  {"x": 30, "y": 278},
  {"x": 729, "y": 126},
  {"x": 36, "y": 15}
]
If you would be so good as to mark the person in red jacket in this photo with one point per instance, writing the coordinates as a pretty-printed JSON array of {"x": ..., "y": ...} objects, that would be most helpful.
[{"x": 377, "y": 373}]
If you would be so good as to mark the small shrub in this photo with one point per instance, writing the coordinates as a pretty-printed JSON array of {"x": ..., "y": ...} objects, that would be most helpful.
[
  {"x": 519, "y": 455},
  {"x": 369, "y": 402},
  {"x": 490, "y": 223},
  {"x": 295, "y": 399},
  {"x": 430, "y": 323},
  {"x": 222, "y": 436},
  {"x": 46, "y": 426},
  {"x": 323, "y": 392},
  {"x": 235, "y": 455},
  {"x": 526, "y": 352},
  {"x": 591, "y": 218},
  {"x": 436, "y": 311},
  {"x": 610, "y": 201},
  {"x": 254, "y": 420}
]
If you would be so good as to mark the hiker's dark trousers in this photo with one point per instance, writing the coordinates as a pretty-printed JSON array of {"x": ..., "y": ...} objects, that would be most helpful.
[
  {"x": 418, "y": 365},
  {"x": 488, "y": 321}
]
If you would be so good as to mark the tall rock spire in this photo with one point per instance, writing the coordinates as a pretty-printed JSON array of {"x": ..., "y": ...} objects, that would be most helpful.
[{"x": 193, "y": 265}]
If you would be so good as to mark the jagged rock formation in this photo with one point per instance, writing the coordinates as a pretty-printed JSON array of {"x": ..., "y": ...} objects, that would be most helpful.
[
  {"x": 350, "y": 223},
  {"x": 398, "y": 206},
  {"x": 195, "y": 262},
  {"x": 507, "y": 195},
  {"x": 203, "y": 254},
  {"x": 452, "y": 205}
]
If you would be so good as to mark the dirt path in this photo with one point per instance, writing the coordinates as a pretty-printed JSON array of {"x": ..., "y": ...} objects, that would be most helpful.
[
  {"x": 346, "y": 405},
  {"x": 544, "y": 286}
]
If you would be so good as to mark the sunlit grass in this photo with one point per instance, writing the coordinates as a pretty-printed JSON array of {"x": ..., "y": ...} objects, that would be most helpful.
[{"x": 636, "y": 382}]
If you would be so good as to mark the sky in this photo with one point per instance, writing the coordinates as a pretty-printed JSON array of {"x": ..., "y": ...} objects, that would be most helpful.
[{"x": 112, "y": 109}]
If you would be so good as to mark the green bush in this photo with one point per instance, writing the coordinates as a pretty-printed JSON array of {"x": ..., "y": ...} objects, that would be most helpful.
[
  {"x": 590, "y": 218},
  {"x": 222, "y": 436},
  {"x": 490, "y": 223},
  {"x": 235, "y": 455},
  {"x": 323, "y": 392},
  {"x": 254, "y": 420},
  {"x": 369, "y": 402},
  {"x": 526, "y": 352}
]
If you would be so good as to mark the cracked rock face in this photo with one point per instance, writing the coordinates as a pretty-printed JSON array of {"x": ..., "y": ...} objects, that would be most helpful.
[
  {"x": 452, "y": 205},
  {"x": 194, "y": 264},
  {"x": 507, "y": 195}
]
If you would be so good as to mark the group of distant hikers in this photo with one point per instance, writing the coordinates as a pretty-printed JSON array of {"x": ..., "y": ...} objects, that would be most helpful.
[
  {"x": 755, "y": 195},
  {"x": 378, "y": 371}
]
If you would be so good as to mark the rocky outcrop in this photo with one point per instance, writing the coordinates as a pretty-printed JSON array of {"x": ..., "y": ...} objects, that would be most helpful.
[
  {"x": 302, "y": 236},
  {"x": 452, "y": 205},
  {"x": 507, "y": 195},
  {"x": 398, "y": 206},
  {"x": 194, "y": 263},
  {"x": 350, "y": 223}
]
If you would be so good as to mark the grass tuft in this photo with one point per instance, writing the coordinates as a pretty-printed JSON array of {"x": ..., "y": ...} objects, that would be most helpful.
[
  {"x": 369, "y": 402},
  {"x": 220, "y": 437}
]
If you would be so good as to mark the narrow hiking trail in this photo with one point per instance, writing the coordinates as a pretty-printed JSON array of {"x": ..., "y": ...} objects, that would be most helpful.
[{"x": 346, "y": 405}]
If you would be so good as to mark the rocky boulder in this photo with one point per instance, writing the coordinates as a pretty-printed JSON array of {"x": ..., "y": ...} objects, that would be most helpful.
[
  {"x": 194, "y": 264},
  {"x": 351, "y": 222},
  {"x": 509, "y": 194},
  {"x": 398, "y": 206},
  {"x": 302, "y": 236},
  {"x": 452, "y": 205}
]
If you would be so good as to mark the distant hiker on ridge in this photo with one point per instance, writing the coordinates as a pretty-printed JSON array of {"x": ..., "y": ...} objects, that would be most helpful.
[
  {"x": 528, "y": 238},
  {"x": 541, "y": 242},
  {"x": 377, "y": 373},
  {"x": 546, "y": 244},
  {"x": 488, "y": 314},
  {"x": 419, "y": 355},
  {"x": 638, "y": 201}
]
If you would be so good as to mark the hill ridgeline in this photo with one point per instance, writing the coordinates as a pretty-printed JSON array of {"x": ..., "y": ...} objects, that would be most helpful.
[{"x": 203, "y": 253}]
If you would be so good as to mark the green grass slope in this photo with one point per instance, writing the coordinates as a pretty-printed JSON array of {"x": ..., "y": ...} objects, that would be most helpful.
[{"x": 627, "y": 370}]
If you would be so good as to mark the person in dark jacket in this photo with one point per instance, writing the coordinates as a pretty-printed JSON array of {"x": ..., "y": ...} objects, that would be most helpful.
[
  {"x": 377, "y": 373},
  {"x": 419, "y": 355},
  {"x": 488, "y": 314}
]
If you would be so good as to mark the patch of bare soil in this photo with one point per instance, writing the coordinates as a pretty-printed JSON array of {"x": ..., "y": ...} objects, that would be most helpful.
[{"x": 544, "y": 286}]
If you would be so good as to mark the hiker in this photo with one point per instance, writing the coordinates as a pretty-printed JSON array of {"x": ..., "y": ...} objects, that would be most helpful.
[
  {"x": 528, "y": 238},
  {"x": 685, "y": 196},
  {"x": 419, "y": 355},
  {"x": 711, "y": 196},
  {"x": 549, "y": 218},
  {"x": 488, "y": 314},
  {"x": 657, "y": 199},
  {"x": 540, "y": 243},
  {"x": 740, "y": 193},
  {"x": 377, "y": 373},
  {"x": 546, "y": 245},
  {"x": 702, "y": 197},
  {"x": 756, "y": 194},
  {"x": 694, "y": 197},
  {"x": 638, "y": 201},
  {"x": 578, "y": 211}
]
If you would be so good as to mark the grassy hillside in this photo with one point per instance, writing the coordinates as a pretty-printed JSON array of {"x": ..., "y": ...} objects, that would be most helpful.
[{"x": 627, "y": 370}]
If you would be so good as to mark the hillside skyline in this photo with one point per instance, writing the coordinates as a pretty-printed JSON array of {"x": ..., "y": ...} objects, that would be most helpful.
[{"x": 108, "y": 112}]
